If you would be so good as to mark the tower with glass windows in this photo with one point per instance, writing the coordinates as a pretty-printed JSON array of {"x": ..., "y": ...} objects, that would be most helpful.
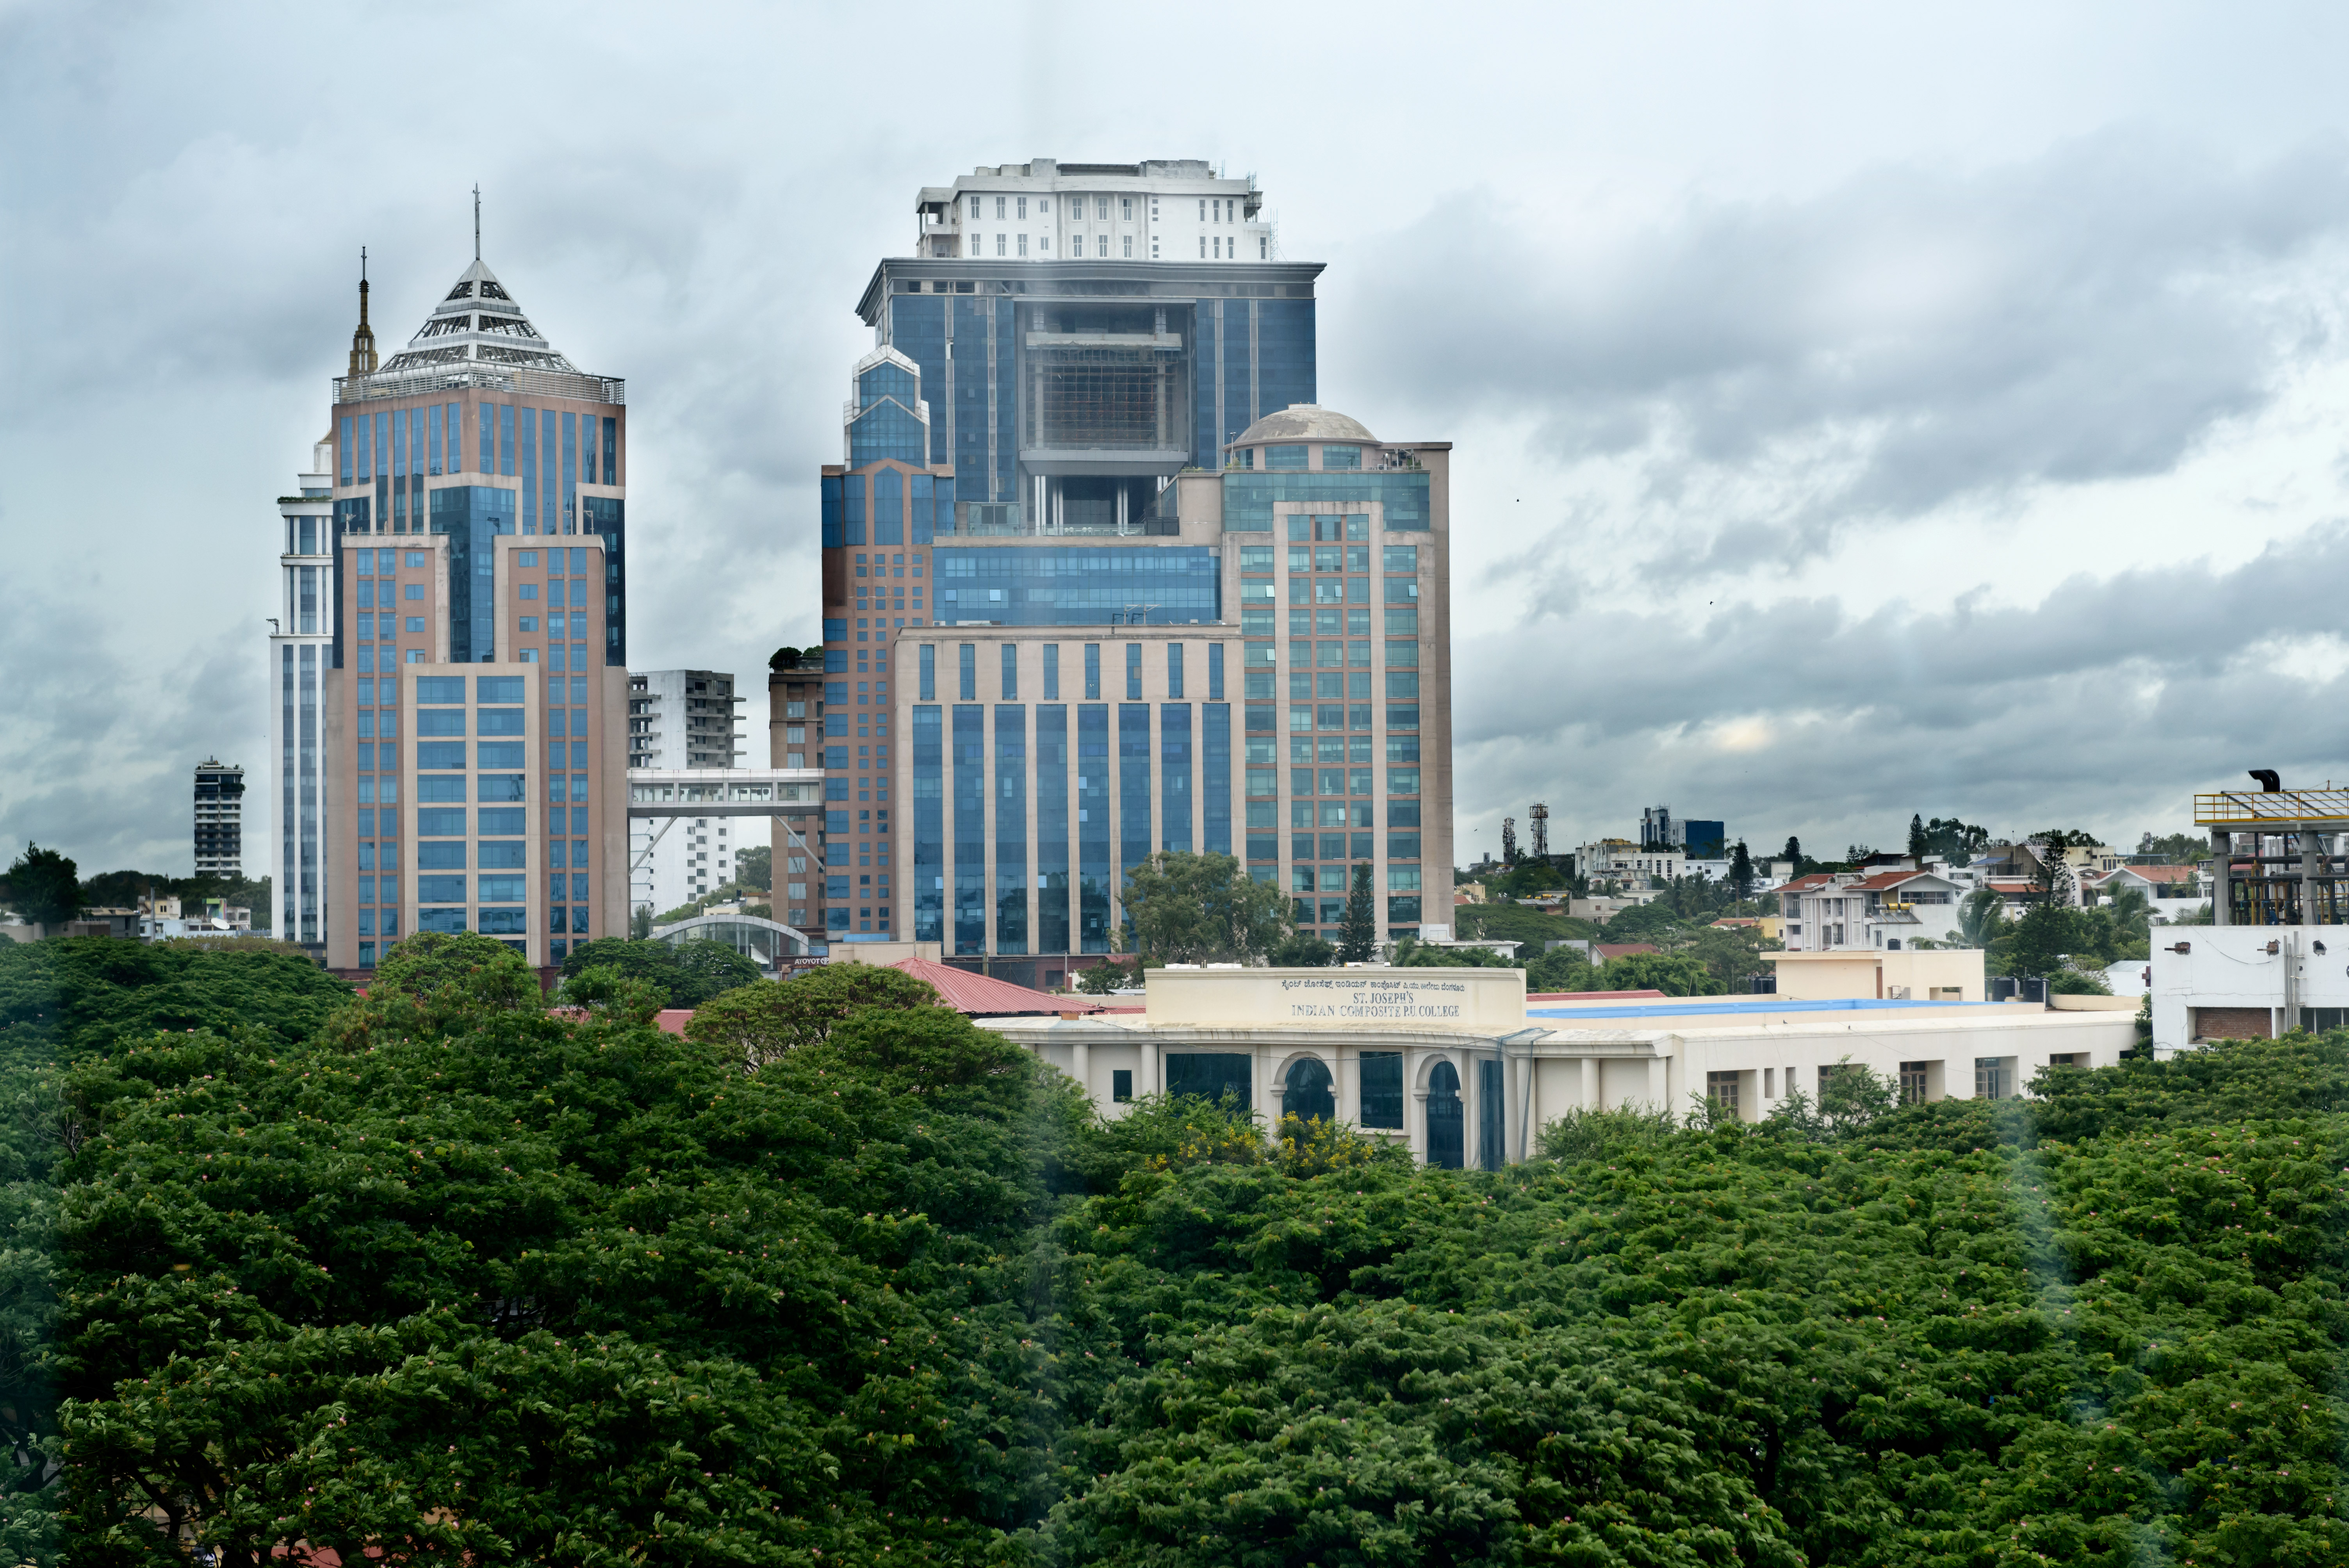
[
  {"x": 1036, "y": 632},
  {"x": 301, "y": 662},
  {"x": 454, "y": 727}
]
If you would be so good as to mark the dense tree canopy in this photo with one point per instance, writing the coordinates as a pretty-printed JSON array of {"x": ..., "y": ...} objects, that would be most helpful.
[
  {"x": 43, "y": 888},
  {"x": 443, "y": 1271},
  {"x": 687, "y": 973},
  {"x": 757, "y": 1024}
]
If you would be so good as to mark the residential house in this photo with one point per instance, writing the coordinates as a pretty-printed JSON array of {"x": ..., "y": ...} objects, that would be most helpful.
[
  {"x": 1884, "y": 910},
  {"x": 2176, "y": 893},
  {"x": 2023, "y": 868},
  {"x": 1623, "y": 862}
]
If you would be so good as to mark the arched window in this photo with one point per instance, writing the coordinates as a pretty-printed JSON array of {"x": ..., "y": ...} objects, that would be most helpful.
[
  {"x": 1445, "y": 1145},
  {"x": 1306, "y": 1092}
]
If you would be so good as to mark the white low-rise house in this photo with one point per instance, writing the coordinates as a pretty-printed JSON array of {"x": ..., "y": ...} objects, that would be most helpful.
[
  {"x": 2176, "y": 893},
  {"x": 1886, "y": 910},
  {"x": 1621, "y": 860}
]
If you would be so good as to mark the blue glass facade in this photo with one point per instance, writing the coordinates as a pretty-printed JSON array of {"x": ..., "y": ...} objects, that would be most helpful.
[
  {"x": 1077, "y": 586},
  {"x": 1045, "y": 820},
  {"x": 928, "y": 758},
  {"x": 1215, "y": 774},
  {"x": 1011, "y": 828},
  {"x": 1175, "y": 776},
  {"x": 1052, "y": 827},
  {"x": 969, "y": 829},
  {"x": 607, "y": 516},
  {"x": 1248, "y": 498},
  {"x": 917, "y": 331},
  {"x": 1095, "y": 873},
  {"x": 472, "y": 516},
  {"x": 1133, "y": 840},
  {"x": 886, "y": 431}
]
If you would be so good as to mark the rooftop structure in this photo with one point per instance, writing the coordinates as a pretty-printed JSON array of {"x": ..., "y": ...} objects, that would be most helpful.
[
  {"x": 1161, "y": 209},
  {"x": 476, "y": 338},
  {"x": 1083, "y": 331},
  {"x": 2278, "y": 880}
]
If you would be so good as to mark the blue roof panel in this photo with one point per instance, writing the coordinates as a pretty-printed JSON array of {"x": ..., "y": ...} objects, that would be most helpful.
[{"x": 1741, "y": 1006}]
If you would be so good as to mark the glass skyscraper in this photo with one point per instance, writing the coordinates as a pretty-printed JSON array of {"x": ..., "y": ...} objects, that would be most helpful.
[
  {"x": 1101, "y": 580},
  {"x": 454, "y": 686}
]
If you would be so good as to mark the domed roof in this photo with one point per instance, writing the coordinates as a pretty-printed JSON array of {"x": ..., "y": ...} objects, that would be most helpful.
[{"x": 1304, "y": 422}]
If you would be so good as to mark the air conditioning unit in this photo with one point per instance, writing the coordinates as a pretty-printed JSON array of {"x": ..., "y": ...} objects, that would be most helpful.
[{"x": 1896, "y": 993}]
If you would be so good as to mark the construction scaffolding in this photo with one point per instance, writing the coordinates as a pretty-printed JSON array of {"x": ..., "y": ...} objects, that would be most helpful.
[
  {"x": 1095, "y": 398},
  {"x": 2277, "y": 855}
]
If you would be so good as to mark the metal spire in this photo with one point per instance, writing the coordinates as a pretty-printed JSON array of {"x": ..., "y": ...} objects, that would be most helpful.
[
  {"x": 363, "y": 355},
  {"x": 477, "y": 220}
]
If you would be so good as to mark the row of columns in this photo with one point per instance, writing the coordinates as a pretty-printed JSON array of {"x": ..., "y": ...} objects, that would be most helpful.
[{"x": 1525, "y": 1106}]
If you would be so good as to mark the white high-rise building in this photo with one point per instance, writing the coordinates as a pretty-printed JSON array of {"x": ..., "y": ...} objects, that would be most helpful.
[
  {"x": 301, "y": 653},
  {"x": 683, "y": 718}
]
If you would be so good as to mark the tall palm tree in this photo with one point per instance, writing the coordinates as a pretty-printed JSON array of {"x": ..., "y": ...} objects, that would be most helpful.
[{"x": 1981, "y": 916}]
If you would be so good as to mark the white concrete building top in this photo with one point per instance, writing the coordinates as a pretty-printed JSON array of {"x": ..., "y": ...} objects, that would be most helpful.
[{"x": 1044, "y": 210}]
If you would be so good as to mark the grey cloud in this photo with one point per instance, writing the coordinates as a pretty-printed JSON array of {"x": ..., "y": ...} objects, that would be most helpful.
[
  {"x": 1909, "y": 337},
  {"x": 2107, "y": 705},
  {"x": 98, "y": 749}
]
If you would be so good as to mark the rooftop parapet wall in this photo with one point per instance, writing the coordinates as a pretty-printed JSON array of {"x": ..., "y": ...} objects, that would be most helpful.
[{"x": 1480, "y": 1001}]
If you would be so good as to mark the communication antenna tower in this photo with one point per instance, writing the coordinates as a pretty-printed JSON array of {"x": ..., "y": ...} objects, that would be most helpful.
[
  {"x": 1509, "y": 841},
  {"x": 1541, "y": 832}
]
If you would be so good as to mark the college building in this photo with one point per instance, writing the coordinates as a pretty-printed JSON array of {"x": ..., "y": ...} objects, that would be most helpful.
[{"x": 1463, "y": 1067}]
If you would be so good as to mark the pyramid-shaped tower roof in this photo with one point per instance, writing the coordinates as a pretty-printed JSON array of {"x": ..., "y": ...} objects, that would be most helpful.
[{"x": 479, "y": 321}]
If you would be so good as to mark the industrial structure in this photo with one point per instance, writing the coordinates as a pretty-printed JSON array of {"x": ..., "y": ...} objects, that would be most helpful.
[{"x": 2273, "y": 959}]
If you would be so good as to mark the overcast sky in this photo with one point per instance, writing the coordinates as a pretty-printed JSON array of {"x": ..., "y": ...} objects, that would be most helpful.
[{"x": 1857, "y": 410}]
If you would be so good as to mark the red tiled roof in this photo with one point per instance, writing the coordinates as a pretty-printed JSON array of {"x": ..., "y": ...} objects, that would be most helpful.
[
  {"x": 1804, "y": 885},
  {"x": 983, "y": 996},
  {"x": 672, "y": 1020},
  {"x": 2154, "y": 874},
  {"x": 1883, "y": 880},
  {"x": 1624, "y": 949}
]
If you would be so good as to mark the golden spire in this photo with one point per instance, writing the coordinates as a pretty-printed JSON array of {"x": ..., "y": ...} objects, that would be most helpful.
[{"x": 363, "y": 340}]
